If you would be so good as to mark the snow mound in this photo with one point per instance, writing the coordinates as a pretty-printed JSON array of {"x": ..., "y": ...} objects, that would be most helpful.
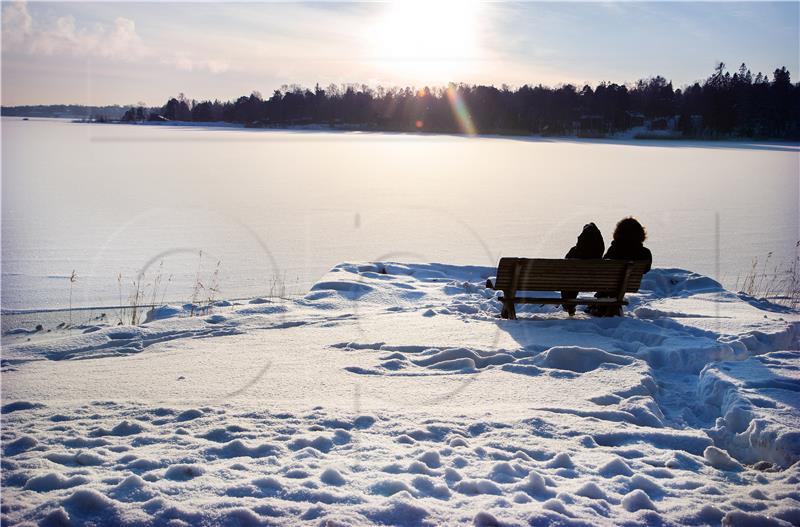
[
  {"x": 535, "y": 485},
  {"x": 637, "y": 500},
  {"x": 562, "y": 460},
  {"x": 592, "y": 491},
  {"x": 183, "y": 472},
  {"x": 20, "y": 405},
  {"x": 720, "y": 459},
  {"x": 615, "y": 467},
  {"x": 332, "y": 477},
  {"x": 477, "y": 486},
  {"x": 579, "y": 360},
  {"x": 81, "y": 459},
  {"x": 53, "y": 481},
  {"x": 88, "y": 501},
  {"x": 238, "y": 448},
  {"x": 484, "y": 519}
]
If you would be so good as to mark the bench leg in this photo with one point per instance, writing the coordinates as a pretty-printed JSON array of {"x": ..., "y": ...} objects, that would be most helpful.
[{"x": 510, "y": 310}]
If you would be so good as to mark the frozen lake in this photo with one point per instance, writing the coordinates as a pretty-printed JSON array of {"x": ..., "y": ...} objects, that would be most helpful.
[{"x": 278, "y": 209}]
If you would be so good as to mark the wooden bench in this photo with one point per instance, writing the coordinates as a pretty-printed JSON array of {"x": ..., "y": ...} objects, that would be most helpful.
[{"x": 615, "y": 277}]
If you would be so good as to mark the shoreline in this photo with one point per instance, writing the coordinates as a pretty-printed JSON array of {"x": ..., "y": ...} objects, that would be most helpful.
[{"x": 633, "y": 136}]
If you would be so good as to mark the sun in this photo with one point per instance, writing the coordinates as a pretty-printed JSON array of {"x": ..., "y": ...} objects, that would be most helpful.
[{"x": 425, "y": 41}]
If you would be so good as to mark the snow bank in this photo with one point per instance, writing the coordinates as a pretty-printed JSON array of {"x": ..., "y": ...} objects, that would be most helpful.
[
  {"x": 756, "y": 400},
  {"x": 577, "y": 359},
  {"x": 393, "y": 394}
]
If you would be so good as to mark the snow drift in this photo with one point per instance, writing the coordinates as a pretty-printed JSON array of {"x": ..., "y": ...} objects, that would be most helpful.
[{"x": 393, "y": 394}]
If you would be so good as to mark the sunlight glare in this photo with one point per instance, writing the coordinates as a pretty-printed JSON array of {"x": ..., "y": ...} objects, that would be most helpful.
[{"x": 426, "y": 41}]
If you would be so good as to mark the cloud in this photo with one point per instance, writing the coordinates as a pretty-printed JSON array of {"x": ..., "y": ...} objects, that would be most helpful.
[
  {"x": 184, "y": 62},
  {"x": 23, "y": 34},
  {"x": 17, "y": 24},
  {"x": 64, "y": 36}
]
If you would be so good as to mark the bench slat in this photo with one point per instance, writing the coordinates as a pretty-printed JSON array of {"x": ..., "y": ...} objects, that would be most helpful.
[
  {"x": 587, "y": 276},
  {"x": 585, "y": 287},
  {"x": 572, "y": 285},
  {"x": 566, "y": 279},
  {"x": 577, "y": 301},
  {"x": 565, "y": 275}
]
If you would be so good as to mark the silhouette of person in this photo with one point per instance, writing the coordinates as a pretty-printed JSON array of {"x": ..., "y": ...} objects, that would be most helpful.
[
  {"x": 590, "y": 245},
  {"x": 628, "y": 244}
]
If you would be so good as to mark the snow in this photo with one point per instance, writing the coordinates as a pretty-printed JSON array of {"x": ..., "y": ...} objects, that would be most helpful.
[
  {"x": 748, "y": 394},
  {"x": 279, "y": 217},
  {"x": 637, "y": 500},
  {"x": 720, "y": 459},
  {"x": 393, "y": 394}
]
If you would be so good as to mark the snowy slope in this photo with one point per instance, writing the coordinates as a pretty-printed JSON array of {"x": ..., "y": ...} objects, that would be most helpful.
[{"x": 392, "y": 394}]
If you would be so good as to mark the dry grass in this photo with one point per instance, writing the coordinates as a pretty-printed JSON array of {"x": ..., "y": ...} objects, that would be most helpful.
[
  {"x": 147, "y": 292},
  {"x": 72, "y": 279},
  {"x": 130, "y": 313},
  {"x": 776, "y": 282},
  {"x": 277, "y": 286},
  {"x": 133, "y": 310},
  {"x": 157, "y": 286},
  {"x": 205, "y": 290}
]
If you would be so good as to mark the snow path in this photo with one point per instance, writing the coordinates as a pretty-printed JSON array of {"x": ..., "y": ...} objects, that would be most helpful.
[{"x": 392, "y": 394}]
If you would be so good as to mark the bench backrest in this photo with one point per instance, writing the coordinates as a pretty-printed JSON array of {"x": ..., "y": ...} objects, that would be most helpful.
[{"x": 541, "y": 274}]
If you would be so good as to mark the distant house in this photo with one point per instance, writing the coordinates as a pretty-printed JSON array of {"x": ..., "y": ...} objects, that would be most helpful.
[
  {"x": 672, "y": 122},
  {"x": 634, "y": 119},
  {"x": 660, "y": 123}
]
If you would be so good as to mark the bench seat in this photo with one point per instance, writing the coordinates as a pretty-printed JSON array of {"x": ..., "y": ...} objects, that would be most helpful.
[{"x": 613, "y": 278}]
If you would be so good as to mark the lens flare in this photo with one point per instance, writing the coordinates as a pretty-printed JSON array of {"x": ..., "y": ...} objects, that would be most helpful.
[{"x": 461, "y": 111}]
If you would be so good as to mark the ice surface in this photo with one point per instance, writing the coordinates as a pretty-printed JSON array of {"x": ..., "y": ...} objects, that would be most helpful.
[
  {"x": 351, "y": 405},
  {"x": 293, "y": 204}
]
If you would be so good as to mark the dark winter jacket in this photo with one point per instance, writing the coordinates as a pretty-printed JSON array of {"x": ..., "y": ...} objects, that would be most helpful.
[
  {"x": 621, "y": 249},
  {"x": 590, "y": 244},
  {"x": 629, "y": 251}
]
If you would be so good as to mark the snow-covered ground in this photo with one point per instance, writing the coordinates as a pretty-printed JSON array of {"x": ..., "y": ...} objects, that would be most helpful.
[{"x": 393, "y": 394}]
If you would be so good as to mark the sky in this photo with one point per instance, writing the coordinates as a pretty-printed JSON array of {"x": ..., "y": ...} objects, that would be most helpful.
[{"x": 125, "y": 53}]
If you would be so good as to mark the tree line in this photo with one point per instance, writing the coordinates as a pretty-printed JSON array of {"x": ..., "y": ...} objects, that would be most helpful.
[
  {"x": 723, "y": 105},
  {"x": 72, "y": 111}
]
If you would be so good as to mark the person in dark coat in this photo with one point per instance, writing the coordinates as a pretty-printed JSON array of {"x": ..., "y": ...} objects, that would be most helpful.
[
  {"x": 590, "y": 245},
  {"x": 628, "y": 244}
]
